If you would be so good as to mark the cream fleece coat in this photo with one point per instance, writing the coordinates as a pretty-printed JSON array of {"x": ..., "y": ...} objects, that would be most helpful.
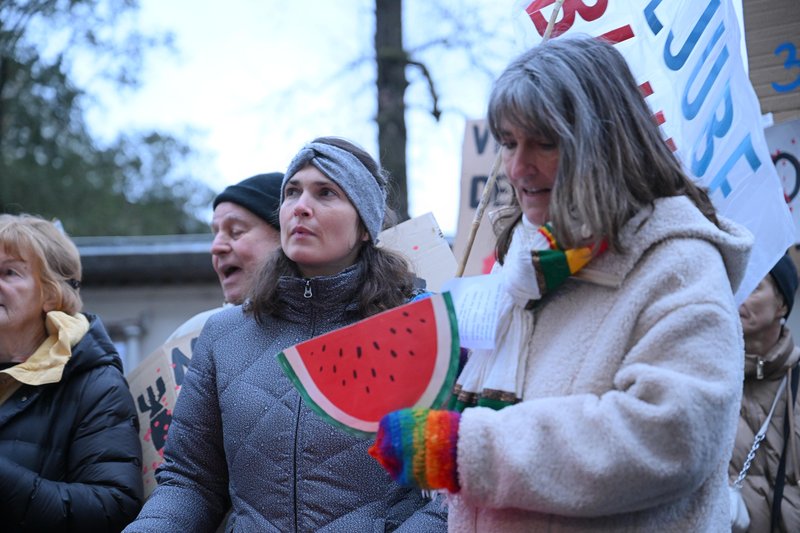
[{"x": 631, "y": 394}]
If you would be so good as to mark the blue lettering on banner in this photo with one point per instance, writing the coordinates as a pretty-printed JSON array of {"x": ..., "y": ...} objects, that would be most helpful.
[
  {"x": 716, "y": 126},
  {"x": 691, "y": 109},
  {"x": 676, "y": 62},
  {"x": 651, "y": 18},
  {"x": 746, "y": 149}
]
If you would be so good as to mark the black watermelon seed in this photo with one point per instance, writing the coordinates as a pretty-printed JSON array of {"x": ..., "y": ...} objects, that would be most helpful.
[
  {"x": 392, "y": 330},
  {"x": 391, "y": 377},
  {"x": 421, "y": 320},
  {"x": 343, "y": 383},
  {"x": 409, "y": 330},
  {"x": 411, "y": 352},
  {"x": 358, "y": 352},
  {"x": 340, "y": 352},
  {"x": 375, "y": 344},
  {"x": 323, "y": 347},
  {"x": 355, "y": 375},
  {"x": 367, "y": 387},
  {"x": 405, "y": 313},
  {"x": 374, "y": 374},
  {"x": 334, "y": 369},
  {"x": 320, "y": 368},
  {"x": 394, "y": 354}
]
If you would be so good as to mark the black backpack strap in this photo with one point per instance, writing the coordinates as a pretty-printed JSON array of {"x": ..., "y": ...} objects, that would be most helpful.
[{"x": 780, "y": 479}]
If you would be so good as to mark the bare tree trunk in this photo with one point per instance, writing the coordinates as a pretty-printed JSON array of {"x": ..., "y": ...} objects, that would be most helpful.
[{"x": 392, "y": 83}]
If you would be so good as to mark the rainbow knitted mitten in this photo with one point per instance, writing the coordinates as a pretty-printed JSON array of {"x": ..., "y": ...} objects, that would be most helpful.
[{"x": 418, "y": 448}]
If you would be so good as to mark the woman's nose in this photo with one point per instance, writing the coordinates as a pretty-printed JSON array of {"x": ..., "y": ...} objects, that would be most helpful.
[
  {"x": 302, "y": 207},
  {"x": 517, "y": 164}
]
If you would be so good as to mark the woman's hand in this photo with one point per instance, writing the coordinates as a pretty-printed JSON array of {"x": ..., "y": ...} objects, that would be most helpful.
[{"x": 418, "y": 448}]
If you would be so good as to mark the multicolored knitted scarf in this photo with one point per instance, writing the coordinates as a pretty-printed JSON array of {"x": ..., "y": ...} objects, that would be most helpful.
[{"x": 494, "y": 378}]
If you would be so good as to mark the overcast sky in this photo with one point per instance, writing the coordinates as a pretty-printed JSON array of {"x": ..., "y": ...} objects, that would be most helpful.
[{"x": 255, "y": 79}]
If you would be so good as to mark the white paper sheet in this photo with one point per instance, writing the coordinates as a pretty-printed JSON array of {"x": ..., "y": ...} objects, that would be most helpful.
[{"x": 476, "y": 300}]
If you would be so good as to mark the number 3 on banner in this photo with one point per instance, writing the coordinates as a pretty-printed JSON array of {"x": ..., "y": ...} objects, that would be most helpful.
[{"x": 792, "y": 61}]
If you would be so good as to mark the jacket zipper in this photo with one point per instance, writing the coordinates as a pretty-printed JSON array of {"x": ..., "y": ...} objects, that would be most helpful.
[
  {"x": 294, "y": 485},
  {"x": 306, "y": 294}
]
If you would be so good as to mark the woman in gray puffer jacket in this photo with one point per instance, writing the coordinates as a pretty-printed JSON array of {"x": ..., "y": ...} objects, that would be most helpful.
[{"x": 241, "y": 436}]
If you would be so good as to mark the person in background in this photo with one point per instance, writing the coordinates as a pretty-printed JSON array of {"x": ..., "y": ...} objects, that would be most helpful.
[
  {"x": 246, "y": 230},
  {"x": 770, "y": 386},
  {"x": 621, "y": 370},
  {"x": 70, "y": 457},
  {"x": 241, "y": 435}
]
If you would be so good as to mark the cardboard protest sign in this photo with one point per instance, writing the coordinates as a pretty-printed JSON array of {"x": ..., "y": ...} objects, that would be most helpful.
[
  {"x": 784, "y": 145},
  {"x": 686, "y": 57},
  {"x": 772, "y": 33},
  {"x": 155, "y": 385},
  {"x": 478, "y": 155},
  {"x": 421, "y": 242}
]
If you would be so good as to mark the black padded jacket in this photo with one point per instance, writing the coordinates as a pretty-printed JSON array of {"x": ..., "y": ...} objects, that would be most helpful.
[{"x": 70, "y": 455}]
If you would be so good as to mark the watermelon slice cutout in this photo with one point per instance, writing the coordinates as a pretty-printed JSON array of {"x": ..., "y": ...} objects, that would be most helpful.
[{"x": 404, "y": 357}]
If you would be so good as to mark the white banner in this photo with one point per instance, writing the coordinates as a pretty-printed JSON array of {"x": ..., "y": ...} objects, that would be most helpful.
[{"x": 686, "y": 55}]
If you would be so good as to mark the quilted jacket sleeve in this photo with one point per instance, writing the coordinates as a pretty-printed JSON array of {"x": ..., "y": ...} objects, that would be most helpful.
[
  {"x": 102, "y": 490},
  {"x": 431, "y": 517}
]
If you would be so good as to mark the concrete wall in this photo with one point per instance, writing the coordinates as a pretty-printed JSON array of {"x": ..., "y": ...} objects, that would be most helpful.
[{"x": 140, "y": 318}]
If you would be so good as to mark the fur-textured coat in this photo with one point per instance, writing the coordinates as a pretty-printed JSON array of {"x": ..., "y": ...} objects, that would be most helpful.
[{"x": 631, "y": 393}]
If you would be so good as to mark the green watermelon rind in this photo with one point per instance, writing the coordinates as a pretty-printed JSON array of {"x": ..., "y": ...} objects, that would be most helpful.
[
  {"x": 446, "y": 388},
  {"x": 364, "y": 429}
]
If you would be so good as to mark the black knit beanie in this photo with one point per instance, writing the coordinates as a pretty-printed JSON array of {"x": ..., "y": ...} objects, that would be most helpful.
[
  {"x": 785, "y": 275},
  {"x": 259, "y": 194}
]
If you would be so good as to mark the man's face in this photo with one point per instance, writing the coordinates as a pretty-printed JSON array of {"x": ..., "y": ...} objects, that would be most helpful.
[
  {"x": 242, "y": 241},
  {"x": 762, "y": 309}
]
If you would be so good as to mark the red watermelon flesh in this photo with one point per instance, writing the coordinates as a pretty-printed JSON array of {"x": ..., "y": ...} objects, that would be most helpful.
[{"x": 403, "y": 357}]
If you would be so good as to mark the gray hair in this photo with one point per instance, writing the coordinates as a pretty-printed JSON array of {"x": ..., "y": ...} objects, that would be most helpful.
[{"x": 579, "y": 93}]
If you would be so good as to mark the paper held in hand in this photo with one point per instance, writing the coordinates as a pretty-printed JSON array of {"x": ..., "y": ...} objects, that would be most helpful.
[{"x": 476, "y": 300}]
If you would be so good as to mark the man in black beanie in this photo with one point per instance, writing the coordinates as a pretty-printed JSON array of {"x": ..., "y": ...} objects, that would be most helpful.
[
  {"x": 246, "y": 231},
  {"x": 769, "y": 498}
]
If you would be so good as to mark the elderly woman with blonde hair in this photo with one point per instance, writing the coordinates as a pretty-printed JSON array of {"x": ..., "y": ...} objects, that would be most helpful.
[{"x": 70, "y": 455}]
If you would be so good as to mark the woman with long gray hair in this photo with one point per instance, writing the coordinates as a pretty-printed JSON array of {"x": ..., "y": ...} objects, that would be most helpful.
[{"x": 609, "y": 401}]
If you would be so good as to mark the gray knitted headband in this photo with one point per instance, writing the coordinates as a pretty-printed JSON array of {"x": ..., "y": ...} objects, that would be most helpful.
[{"x": 344, "y": 169}]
